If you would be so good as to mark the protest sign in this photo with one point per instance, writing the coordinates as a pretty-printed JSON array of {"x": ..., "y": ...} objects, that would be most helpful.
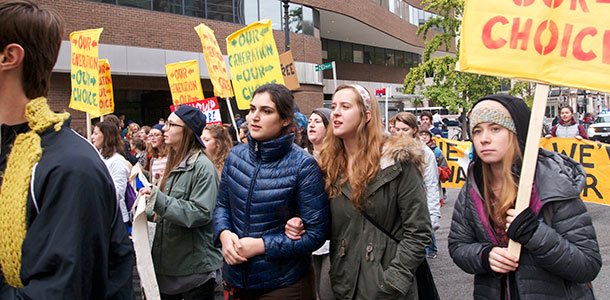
[
  {"x": 215, "y": 62},
  {"x": 106, "y": 92},
  {"x": 208, "y": 106},
  {"x": 289, "y": 71},
  {"x": 184, "y": 81},
  {"x": 593, "y": 156},
  {"x": 559, "y": 42},
  {"x": 84, "y": 70},
  {"x": 253, "y": 59}
]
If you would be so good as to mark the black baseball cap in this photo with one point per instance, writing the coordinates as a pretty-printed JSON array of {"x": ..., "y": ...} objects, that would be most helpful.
[{"x": 193, "y": 118}]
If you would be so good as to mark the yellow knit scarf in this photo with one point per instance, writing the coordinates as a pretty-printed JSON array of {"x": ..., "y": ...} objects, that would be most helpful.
[{"x": 25, "y": 154}]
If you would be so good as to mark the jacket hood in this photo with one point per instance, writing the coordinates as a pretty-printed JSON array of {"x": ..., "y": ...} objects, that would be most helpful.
[
  {"x": 398, "y": 149},
  {"x": 567, "y": 177},
  {"x": 270, "y": 150}
]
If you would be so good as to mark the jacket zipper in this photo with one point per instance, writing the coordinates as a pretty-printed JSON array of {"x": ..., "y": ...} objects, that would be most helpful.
[{"x": 249, "y": 203}]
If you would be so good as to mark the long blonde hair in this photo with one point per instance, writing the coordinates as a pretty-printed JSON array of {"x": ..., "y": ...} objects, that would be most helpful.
[
  {"x": 333, "y": 158},
  {"x": 497, "y": 205},
  {"x": 224, "y": 144}
]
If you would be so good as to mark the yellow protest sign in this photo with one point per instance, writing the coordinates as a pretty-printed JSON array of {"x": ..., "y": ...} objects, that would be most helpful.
[
  {"x": 289, "y": 71},
  {"x": 253, "y": 59},
  {"x": 595, "y": 159},
  {"x": 84, "y": 70},
  {"x": 106, "y": 92},
  {"x": 593, "y": 156},
  {"x": 560, "y": 42},
  {"x": 184, "y": 81},
  {"x": 215, "y": 61}
]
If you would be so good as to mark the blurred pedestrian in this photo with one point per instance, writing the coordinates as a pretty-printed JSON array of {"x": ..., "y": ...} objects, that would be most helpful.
[{"x": 217, "y": 143}]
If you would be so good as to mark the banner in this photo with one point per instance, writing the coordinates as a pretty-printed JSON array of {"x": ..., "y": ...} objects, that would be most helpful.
[
  {"x": 215, "y": 62},
  {"x": 253, "y": 59},
  {"x": 84, "y": 70},
  {"x": 288, "y": 71},
  {"x": 106, "y": 92},
  {"x": 208, "y": 106},
  {"x": 593, "y": 156},
  {"x": 564, "y": 43},
  {"x": 184, "y": 81}
]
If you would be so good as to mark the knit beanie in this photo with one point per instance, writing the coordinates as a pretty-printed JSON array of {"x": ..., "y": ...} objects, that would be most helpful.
[
  {"x": 324, "y": 113},
  {"x": 517, "y": 109}
]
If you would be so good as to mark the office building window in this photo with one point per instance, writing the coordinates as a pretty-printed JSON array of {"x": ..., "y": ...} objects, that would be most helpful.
[
  {"x": 368, "y": 54},
  {"x": 194, "y": 8},
  {"x": 389, "y": 58},
  {"x": 358, "y": 53},
  {"x": 400, "y": 59},
  {"x": 221, "y": 10},
  {"x": 334, "y": 50},
  {"x": 324, "y": 48},
  {"x": 379, "y": 58},
  {"x": 347, "y": 52}
]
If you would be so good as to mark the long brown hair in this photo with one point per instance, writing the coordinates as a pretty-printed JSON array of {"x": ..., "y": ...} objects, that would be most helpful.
[
  {"x": 187, "y": 144},
  {"x": 160, "y": 151},
  {"x": 113, "y": 143},
  {"x": 333, "y": 158},
  {"x": 497, "y": 205},
  {"x": 223, "y": 142}
]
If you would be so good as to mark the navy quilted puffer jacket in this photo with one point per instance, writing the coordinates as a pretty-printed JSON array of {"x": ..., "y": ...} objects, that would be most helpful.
[{"x": 263, "y": 185}]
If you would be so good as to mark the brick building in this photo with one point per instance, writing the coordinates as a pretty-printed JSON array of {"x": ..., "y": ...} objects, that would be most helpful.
[{"x": 373, "y": 42}]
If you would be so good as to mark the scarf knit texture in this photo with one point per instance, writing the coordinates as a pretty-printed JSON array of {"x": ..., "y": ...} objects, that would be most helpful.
[{"x": 26, "y": 152}]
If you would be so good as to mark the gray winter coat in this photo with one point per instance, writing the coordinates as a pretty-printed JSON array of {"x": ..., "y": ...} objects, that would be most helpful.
[{"x": 559, "y": 261}]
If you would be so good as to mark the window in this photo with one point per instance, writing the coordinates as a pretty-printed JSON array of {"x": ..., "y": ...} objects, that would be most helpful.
[
  {"x": 379, "y": 58},
  {"x": 400, "y": 59},
  {"x": 194, "y": 8},
  {"x": 358, "y": 53},
  {"x": 368, "y": 54},
  {"x": 333, "y": 50},
  {"x": 135, "y": 3},
  {"x": 389, "y": 58},
  {"x": 271, "y": 10},
  {"x": 346, "y": 52},
  {"x": 324, "y": 48}
]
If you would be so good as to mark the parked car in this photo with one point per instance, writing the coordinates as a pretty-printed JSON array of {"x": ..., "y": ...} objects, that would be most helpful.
[{"x": 600, "y": 129}]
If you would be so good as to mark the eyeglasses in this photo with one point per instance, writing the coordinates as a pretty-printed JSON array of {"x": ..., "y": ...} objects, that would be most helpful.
[{"x": 169, "y": 125}]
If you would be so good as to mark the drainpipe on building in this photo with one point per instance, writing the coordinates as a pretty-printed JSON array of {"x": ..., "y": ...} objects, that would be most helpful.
[{"x": 286, "y": 25}]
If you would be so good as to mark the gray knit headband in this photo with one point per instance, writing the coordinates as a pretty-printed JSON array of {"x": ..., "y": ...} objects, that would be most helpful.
[{"x": 482, "y": 114}]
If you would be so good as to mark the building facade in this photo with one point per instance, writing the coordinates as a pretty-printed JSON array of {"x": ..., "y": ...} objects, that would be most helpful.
[{"x": 373, "y": 42}]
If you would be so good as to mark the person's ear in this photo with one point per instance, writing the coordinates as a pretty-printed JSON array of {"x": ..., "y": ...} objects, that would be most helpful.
[
  {"x": 286, "y": 122},
  {"x": 367, "y": 115},
  {"x": 11, "y": 57}
]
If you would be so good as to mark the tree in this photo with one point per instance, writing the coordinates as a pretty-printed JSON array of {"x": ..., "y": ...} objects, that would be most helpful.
[
  {"x": 452, "y": 89},
  {"x": 525, "y": 90}
]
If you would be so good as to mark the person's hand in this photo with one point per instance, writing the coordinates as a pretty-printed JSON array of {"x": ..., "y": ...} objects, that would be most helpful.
[
  {"x": 510, "y": 216},
  {"x": 145, "y": 191},
  {"x": 230, "y": 242},
  {"x": 548, "y": 136},
  {"x": 501, "y": 261},
  {"x": 578, "y": 137},
  {"x": 294, "y": 228},
  {"x": 250, "y": 247}
]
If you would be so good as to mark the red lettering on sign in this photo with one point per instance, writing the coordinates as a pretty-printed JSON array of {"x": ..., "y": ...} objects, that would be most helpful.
[
  {"x": 523, "y": 2},
  {"x": 606, "y": 55},
  {"x": 488, "y": 40},
  {"x": 552, "y": 3},
  {"x": 565, "y": 42},
  {"x": 578, "y": 51},
  {"x": 552, "y": 27},
  {"x": 522, "y": 35}
]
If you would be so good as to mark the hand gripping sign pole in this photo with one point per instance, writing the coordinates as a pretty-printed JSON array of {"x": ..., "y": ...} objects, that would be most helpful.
[{"x": 530, "y": 157}]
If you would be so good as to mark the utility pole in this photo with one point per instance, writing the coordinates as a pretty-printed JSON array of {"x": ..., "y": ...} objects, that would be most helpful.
[{"x": 286, "y": 25}]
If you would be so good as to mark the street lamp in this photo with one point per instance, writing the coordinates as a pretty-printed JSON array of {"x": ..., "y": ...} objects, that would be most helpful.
[{"x": 286, "y": 25}]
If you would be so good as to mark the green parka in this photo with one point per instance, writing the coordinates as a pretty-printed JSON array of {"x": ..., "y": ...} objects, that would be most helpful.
[
  {"x": 366, "y": 263},
  {"x": 183, "y": 239}
]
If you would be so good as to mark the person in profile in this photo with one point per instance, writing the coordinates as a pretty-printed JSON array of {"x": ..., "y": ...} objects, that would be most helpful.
[{"x": 61, "y": 232}]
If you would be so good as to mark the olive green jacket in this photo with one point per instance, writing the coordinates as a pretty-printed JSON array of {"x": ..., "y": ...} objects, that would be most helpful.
[
  {"x": 366, "y": 263},
  {"x": 183, "y": 239}
]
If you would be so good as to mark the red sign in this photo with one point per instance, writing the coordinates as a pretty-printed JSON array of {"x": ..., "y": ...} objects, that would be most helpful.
[
  {"x": 209, "y": 107},
  {"x": 380, "y": 92}
]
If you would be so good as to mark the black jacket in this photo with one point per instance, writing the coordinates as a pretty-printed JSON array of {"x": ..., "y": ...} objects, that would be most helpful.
[{"x": 76, "y": 246}]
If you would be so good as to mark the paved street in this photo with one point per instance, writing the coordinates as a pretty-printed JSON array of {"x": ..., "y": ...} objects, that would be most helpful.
[{"x": 453, "y": 283}]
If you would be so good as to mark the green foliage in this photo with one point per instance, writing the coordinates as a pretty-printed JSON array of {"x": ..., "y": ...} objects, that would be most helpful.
[
  {"x": 452, "y": 89},
  {"x": 524, "y": 90}
]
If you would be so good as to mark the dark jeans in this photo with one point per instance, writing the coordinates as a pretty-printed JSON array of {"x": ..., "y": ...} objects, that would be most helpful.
[
  {"x": 300, "y": 290},
  {"x": 203, "y": 292}
]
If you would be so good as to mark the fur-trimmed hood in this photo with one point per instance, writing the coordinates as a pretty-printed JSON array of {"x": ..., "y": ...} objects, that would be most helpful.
[{"x": 398, "y": 149}]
